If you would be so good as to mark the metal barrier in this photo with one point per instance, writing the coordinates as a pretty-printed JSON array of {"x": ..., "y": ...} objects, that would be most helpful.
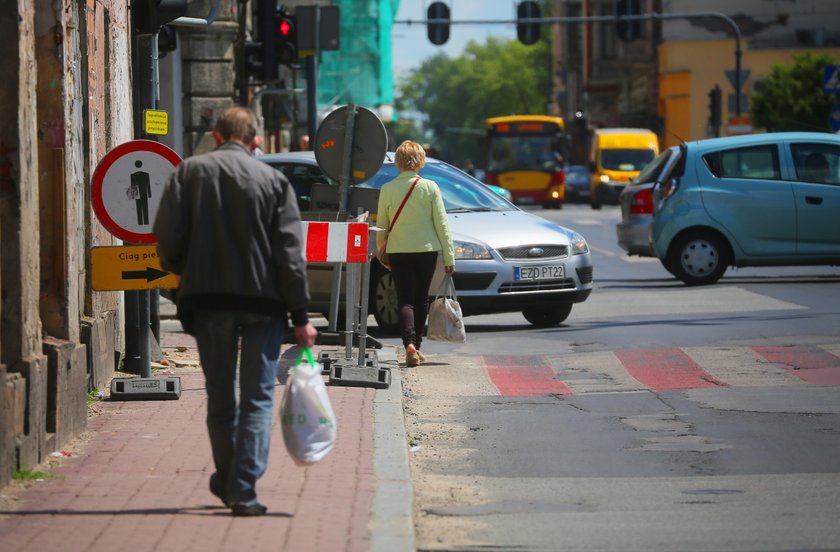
[{"x": 347, "y": 243}]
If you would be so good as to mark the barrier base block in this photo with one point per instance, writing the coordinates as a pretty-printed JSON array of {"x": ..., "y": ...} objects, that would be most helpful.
[
  {"x": 146, "y": 389},
  {"x": 327, "y": 358},
  {"x": 347, "y": 372}
]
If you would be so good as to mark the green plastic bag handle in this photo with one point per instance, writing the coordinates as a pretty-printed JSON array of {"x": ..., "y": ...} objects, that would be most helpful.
[{"x": 308, "y": 356}]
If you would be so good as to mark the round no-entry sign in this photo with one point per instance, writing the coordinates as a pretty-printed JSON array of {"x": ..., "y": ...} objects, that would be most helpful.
[{"x": 127, "y": 186}]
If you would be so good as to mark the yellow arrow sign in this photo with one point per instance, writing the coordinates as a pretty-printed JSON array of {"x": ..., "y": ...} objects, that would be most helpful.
[{"x": 128, "y": 267}]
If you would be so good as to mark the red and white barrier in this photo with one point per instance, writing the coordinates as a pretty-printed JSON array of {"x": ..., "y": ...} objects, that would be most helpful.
[{"x": 335, "y": 242}]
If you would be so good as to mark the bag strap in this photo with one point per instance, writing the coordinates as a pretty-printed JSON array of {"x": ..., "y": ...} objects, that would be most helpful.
[
  {"x": 402, "y": 204},
  {"x": 308, "y": 356},
  {"x": 447, "y": 286}
]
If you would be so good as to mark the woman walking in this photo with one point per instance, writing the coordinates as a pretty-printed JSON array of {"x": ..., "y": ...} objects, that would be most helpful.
[{"x": 412, "y": 213}]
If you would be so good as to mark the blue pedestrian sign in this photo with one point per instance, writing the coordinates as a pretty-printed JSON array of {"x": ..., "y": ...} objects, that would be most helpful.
[
  {"x": 834, "y": 118},
  {"x": 832, "y": 78}
]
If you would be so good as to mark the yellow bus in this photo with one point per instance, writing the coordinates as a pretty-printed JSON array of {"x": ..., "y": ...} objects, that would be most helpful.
[{"x": 524, "y": 154}]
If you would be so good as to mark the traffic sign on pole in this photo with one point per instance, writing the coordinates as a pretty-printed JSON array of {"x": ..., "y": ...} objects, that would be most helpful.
[
  {"x": 127, "y": 186},
  {"x": 367, "y": 148},
  {"x": 831, "y": 80},
  {"x": 834, "y": 118},
  {"x": 730, "y": 76},
  {"x": 125, "y": 267}
]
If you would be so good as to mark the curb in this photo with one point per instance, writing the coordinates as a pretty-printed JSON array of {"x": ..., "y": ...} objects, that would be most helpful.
[{"x": 392, "y": 523}]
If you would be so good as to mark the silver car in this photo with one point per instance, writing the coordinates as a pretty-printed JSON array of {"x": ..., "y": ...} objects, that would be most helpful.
[
  {"x": 636, "y": 202},
  {"x": 507, "y": 260}
]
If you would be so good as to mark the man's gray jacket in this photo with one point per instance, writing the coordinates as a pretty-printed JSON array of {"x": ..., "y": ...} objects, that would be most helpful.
[{"x": 229, "y": 225}]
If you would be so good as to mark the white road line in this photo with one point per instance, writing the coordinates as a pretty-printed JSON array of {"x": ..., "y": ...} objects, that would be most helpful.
[
  {"x": 740, "y": 367},
  {"x": 605, "y": 252},
  {"x": 677, "y": 301},
  {"x": 599, "y": 372}
]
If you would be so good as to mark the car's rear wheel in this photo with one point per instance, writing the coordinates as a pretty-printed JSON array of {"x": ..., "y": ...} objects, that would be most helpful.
[
  {"x": 698, "y": 258},
  {"x": 383, "y": 300},
  {"x": 545, "y": 317}
]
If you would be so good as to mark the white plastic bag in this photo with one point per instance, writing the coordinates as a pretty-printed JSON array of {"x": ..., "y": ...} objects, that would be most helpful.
[
  {"x": 306, "y": 414},
  {"x": 446, "y": 323}
]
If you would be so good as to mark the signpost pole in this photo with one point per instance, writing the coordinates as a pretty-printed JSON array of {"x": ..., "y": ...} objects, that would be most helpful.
[
  {"x": 350, "y": 147},
  {"x": 344, "y": 182}
]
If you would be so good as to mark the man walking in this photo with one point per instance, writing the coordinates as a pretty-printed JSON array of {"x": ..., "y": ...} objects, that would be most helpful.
[{"x": 229, "y": 226}]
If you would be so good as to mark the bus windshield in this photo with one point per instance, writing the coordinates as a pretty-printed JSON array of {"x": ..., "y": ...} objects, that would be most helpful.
[
  {"x": 525, "y": 143},
  {"x": 517, "y": 153}
]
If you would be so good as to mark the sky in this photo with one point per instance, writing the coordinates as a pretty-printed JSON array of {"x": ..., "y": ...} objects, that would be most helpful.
[{"x": 410, "y": 44}]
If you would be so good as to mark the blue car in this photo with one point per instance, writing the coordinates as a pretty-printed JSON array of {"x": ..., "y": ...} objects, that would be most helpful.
[
  {"x": 577, "y": 183},
  {"x": 756, "y": 200}
]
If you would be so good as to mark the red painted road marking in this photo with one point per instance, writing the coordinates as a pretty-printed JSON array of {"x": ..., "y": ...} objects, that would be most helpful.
[
  {"x": 665, "y": 369},
  {"x": 807, "y": 362},
  {"x": 524, "y": 376}
]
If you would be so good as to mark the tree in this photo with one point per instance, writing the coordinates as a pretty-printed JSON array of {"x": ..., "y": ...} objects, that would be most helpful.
[
  {"x": 792, "y": 97},
  {"x": 456, "y": 95}
]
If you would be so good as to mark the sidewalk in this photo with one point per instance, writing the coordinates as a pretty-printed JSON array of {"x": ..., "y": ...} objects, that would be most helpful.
[{"x": 138, "y": 479}]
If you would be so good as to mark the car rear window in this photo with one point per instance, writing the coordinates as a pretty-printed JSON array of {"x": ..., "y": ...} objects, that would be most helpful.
[
  {"x": 756, "y": 162},
  {"x": 652, "y": 169}
]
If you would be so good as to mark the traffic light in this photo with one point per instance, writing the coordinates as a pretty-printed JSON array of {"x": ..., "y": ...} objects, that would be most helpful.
[
  {"x": 287, "y": 42},
  {"x": 148, "y": 16},
  {"x": 528, "y": 33},
  {"x": 438, "y": 32},
  {"x": 628, "y": 31},
  {"x": 253, "y": 65},
  {"x": 715, "y": 107}
]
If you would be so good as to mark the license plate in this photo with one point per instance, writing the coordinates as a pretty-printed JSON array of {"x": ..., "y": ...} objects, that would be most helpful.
[{"x": 545, "y": 272}]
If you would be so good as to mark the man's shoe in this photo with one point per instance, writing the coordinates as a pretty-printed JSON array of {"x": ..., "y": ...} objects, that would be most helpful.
[
  {"x": 219, "y": 488},
  {"x": 248, "y": 510},
  {"x": 421, "y": 356},
  {"x": 412, "y": 358}
]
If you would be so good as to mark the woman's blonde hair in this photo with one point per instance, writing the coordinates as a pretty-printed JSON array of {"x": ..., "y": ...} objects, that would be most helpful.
[{"x": 410, "y": 156}]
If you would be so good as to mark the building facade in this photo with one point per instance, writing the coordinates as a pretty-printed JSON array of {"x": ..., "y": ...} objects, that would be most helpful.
[
  {"x": 65, "y": 101},
  {"x": 662, "y": 79},
  {"x": 697, "y": 54}
]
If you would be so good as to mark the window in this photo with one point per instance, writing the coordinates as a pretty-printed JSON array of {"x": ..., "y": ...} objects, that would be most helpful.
[
  {"x": 302, "y": 177},
  {"x": 651, "y": 171},
  {"x": 758, "y": 162},
  {"x": 819, "y": 163}
]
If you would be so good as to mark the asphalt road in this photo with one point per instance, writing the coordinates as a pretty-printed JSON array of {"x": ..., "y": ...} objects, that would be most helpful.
[{"x": 657, "y": 417}]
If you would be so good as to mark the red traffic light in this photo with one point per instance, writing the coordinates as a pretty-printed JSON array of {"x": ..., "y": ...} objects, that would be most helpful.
[
  {"x": 287, "y": 48},
  {"x": 285, "y": 27}
]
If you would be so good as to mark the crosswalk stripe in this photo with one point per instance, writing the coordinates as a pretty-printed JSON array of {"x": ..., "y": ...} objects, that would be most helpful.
[
  {"x": 633, "y": 370},
  {"x": 665, "y": 369},
  {"x": 599, "y": 372},
  {"x": 524, "y": 376},
  {"x": 808, "y": 362},
  {"x": 740, "y": 367}
]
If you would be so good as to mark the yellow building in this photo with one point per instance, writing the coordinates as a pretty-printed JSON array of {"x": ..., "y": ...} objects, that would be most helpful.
[
  {"x": 661, "y": 80},
  {"x": 689, "y": 70},
  {"x": 695, "y": 54}
]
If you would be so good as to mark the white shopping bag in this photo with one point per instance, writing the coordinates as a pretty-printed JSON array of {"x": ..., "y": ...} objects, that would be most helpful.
[
  {"x": 306, "y": 414},
  {"x": 446, "y": 323}
]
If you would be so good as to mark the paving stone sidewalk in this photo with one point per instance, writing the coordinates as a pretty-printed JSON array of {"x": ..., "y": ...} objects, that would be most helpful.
[{"x": 137, "y": 480}]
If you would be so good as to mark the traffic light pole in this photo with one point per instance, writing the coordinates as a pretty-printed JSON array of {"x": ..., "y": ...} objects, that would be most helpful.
[
  {"x": 138, "y": 319},
  {"x": 312, "y": 80},
  {"x": 608, "y": 19}
]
